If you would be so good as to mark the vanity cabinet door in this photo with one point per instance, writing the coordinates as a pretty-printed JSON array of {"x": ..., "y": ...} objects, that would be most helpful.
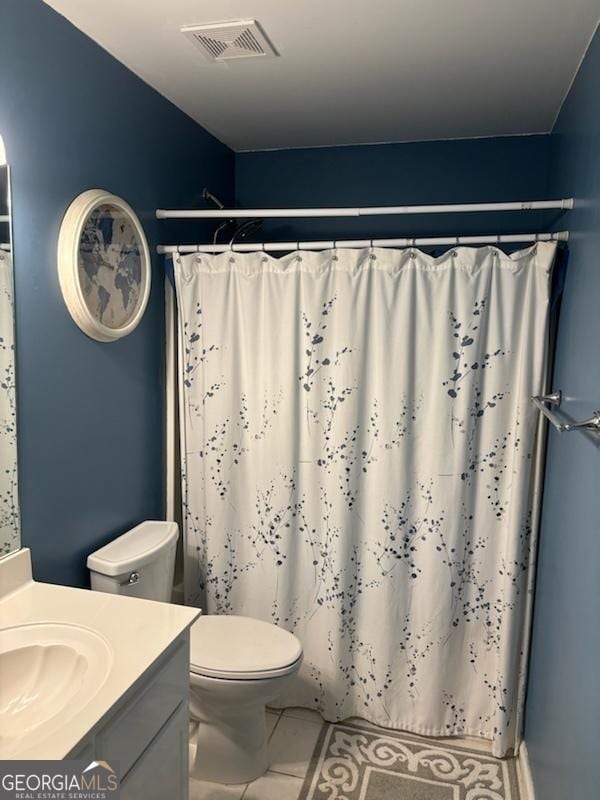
[
  {"x": 162, "y": 771},
  {"x": 131, "y": 730}
]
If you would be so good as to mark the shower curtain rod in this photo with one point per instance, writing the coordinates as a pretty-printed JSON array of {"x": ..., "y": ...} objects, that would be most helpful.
[
  {"x": 447, "y": 208},
  {"x": 333, "y": 244}
]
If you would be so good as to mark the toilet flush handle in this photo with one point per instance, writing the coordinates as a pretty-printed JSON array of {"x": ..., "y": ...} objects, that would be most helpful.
[{"x": 134, "y": 577}]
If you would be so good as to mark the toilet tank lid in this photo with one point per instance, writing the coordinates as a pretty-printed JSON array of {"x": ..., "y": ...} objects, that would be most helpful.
[{"x": 134, "y": 549}]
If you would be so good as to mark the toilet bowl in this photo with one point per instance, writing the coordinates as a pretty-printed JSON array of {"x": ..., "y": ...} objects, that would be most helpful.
[{"x": 237, "y": 664}]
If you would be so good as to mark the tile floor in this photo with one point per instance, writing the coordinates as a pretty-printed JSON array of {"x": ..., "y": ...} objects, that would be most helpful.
[{"x": 293, "y": 734}]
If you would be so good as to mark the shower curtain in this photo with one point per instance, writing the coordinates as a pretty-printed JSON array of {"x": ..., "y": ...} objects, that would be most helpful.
[
  {"x": 357, "y": 449},
  {"x": 9, "y": 502}
]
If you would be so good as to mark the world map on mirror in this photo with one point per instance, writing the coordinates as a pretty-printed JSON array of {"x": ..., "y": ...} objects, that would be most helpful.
[{"x": 110, "y": 266}]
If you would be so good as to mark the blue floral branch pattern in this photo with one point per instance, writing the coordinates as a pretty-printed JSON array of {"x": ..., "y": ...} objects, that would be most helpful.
[{"x": 316, "y": 497}]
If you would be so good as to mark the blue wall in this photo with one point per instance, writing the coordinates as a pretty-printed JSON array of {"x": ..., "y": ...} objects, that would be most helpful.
[
  {"x": 563, "y": 706},
  {"x": 90, "y": 414},
  {"x": 506, "y": 168}
]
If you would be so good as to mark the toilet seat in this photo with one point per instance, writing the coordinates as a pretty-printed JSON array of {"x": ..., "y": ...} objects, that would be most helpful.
[
  {"x": 202, "y": 672},
  {"x": 241, "y": 648}
]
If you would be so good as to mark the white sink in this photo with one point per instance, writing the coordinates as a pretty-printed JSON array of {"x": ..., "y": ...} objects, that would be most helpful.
[{"x": 48, "y": 673}]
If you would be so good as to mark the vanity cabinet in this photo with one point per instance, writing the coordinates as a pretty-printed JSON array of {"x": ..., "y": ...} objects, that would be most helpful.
[
  {"x": 144, "y": 737},
  {"x": 162, "y": 769}
]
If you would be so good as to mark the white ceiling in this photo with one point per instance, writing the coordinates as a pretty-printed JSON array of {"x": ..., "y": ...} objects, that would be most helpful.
[{"x": 355, "y": 71}]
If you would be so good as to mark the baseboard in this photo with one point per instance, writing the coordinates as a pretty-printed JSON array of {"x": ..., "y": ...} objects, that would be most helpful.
[{"x": 525, "y": 777}]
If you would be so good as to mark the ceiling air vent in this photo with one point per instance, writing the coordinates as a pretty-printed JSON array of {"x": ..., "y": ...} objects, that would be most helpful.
[{"x": 223, "y": 41}]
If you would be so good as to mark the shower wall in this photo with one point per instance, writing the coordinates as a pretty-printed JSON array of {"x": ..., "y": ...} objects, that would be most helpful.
[
  {"x": 563, "y": 706},
  {"x": 485, "y": 170}
]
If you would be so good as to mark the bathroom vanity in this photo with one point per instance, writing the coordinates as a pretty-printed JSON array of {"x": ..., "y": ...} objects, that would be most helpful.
[
  {"x": 111, "y": 677},
  {"x": 144, "y": 737}
]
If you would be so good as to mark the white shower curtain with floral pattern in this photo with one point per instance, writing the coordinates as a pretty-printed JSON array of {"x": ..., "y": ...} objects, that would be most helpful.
[{"x": 357, "y": 447}]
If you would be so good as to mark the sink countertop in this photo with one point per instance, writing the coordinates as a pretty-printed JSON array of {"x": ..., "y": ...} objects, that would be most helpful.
[{"x": 138, "y": 632}]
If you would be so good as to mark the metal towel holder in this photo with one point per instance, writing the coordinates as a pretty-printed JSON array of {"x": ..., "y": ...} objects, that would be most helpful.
[{"x": 542, "y": 402}]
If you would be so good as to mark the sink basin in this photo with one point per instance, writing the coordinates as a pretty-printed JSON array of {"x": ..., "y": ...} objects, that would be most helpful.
[{"x": 48, "y": 673}]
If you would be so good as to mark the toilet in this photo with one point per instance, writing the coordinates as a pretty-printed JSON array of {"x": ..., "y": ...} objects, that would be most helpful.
[{"x": 237, "y": 664}]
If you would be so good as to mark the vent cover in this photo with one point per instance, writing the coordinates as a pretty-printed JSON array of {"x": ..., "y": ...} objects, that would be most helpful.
[{"x": 223, "y": 41}]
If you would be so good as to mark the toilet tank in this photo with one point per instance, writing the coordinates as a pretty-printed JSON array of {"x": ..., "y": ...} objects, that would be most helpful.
[{"x": 140, "y": 563}]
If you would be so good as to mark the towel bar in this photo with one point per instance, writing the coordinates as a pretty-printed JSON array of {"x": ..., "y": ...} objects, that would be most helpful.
[{"x": 542, "y": 401}]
